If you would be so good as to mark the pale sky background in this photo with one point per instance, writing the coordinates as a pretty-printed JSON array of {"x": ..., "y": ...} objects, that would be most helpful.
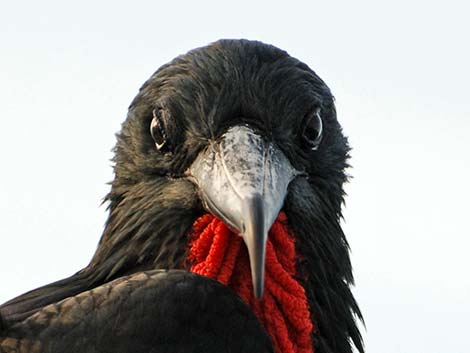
[{"x": 400, "y": 74}]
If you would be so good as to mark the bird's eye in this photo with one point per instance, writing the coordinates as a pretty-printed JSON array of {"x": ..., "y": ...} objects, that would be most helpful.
[
  {"x": 313, "y": 130},
  {"x": 157, "y": 130}
]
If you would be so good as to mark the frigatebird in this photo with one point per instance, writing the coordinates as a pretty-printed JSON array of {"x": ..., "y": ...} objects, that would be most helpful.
[{"x": 224, "y": 229}]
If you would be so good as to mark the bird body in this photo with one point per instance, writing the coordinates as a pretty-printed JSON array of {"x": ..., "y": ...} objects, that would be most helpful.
[
  {"x": 233, "y": 146},
  {"x": 107, "y": 318}
]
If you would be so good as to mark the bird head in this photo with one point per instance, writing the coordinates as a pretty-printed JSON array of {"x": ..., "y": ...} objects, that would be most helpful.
[{"x": 242, "y": 130}]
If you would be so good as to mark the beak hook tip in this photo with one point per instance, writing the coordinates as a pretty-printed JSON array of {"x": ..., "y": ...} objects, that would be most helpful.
[{"x": 259, "y": 290}]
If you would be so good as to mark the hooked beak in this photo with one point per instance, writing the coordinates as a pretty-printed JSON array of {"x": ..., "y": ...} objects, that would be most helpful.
[{"x": 243, "y": 181}]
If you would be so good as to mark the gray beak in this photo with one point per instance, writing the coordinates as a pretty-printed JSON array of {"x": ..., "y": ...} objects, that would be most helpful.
[{"x": 243, "y": 181}]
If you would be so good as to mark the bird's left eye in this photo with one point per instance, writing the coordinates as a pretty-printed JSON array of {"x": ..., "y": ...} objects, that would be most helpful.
[
  {"x": 313, "y": 130},
  {"x": 157, "y": 130}
]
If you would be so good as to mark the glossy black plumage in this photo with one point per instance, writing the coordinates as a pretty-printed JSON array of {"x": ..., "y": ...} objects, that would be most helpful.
[
  {"x": 190, "y": 314},
  {"x": 152, "y": 203}
]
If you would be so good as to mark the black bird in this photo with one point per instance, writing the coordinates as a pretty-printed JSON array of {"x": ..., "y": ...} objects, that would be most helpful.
[{"x": 243, "y": 131}]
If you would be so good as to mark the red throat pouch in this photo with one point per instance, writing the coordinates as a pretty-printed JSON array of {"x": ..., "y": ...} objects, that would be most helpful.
[{"x": 219, "y": 253}]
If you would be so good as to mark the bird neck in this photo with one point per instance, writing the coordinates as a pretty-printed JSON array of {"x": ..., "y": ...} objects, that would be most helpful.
[{"x": 218, "y": 253}]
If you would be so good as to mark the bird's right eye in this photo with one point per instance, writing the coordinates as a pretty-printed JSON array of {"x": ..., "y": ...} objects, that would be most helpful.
[
  {"x": 157, "y": 130},
  {"x": 313, "y": 130}
]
